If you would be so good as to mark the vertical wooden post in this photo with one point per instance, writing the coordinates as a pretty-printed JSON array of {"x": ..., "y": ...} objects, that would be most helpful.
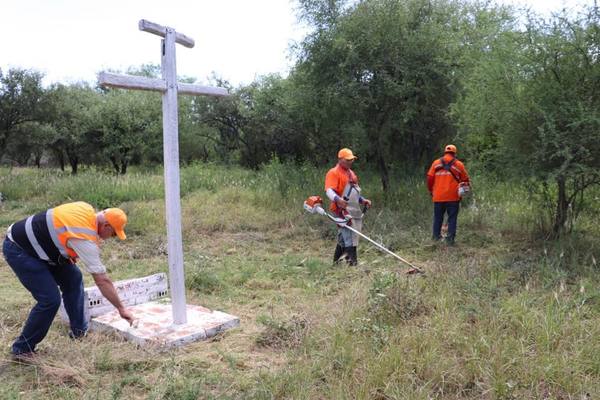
[
  {"x": 172, "y": 194},
  {"x": 170, "y": 88}
]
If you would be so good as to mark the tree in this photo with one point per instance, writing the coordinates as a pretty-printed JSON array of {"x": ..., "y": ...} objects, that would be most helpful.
[
  {"x": 321, "y": 14},
  {"x": 224, "y": 118},
  {"x": 274, "y": 120},
  {"x": 127, "y": 122},
  {"x": 539, "y": 109},
  {"x": 30, "y": 140},
  {"x": 21, "y": 99},
  {"x": 564, "y": 86},
  {"x": 382, "y": 78},
  {"x": 72, "y": 116}
]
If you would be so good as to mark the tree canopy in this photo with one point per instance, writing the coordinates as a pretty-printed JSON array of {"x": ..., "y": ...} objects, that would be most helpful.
[{"x": 394, "y": 80}]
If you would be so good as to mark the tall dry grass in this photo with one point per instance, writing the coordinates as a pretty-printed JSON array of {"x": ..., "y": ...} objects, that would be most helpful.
[{"x": 504, "y": 314}]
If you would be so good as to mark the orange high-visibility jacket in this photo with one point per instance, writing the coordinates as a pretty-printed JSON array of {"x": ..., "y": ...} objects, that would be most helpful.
[
  {"x": 337, "y": 178},
  {"x": 443, "y": 184},
  {"x": 45, "y": 235}
]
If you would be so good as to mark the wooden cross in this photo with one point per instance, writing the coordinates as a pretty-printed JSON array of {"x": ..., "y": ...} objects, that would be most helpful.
[{"x": 169, "y": 87}]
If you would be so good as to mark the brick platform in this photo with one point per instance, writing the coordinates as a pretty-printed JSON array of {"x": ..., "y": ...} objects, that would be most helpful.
[
  {"x": 146, "y": 298},
  {"x": 154, "y": 324}
]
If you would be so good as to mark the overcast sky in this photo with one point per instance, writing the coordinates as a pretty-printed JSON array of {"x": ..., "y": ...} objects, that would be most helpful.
[{"x": 71, "y": 40}]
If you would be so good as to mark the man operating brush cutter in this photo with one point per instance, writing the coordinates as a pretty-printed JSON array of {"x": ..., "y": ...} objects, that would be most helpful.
[
  {"x": 314, "y": 205},
  {"x": 341, "y": 187}
]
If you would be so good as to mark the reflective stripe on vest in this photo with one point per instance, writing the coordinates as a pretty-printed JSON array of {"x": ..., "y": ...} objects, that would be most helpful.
[
  {"x": 34, "y": 236},
  {"x": 45, "y": 235},
  {"x": 32, "y": 239},
  {"x": 73, "y": 221},
  {"x": 53, "y": 234}
]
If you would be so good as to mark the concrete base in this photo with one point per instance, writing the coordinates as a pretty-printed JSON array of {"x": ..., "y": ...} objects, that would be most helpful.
[
  {"x": 131, "y": 292},
  {"x": 154, "y": 324}
]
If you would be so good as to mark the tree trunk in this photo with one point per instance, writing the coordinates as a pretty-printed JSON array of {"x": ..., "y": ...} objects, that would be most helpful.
[
  {"x": 3, "y": 142},
  {"x": 376, "y": 134},
  {"x": 562, "y": 207},
  {"x": 204, "y": 154},
  {"x": 74, "y": 161},
  {"x": 115, "y": 164},
  {"x": 384, "y": 173},
  {"x": 23, "y": 160},
  {"x": 4, "y": 136}
]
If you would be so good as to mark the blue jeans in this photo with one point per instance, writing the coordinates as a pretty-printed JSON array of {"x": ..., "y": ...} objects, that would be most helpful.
[
  {"x": 439, "y": 209},
  {"x": 43, "y": 281}
]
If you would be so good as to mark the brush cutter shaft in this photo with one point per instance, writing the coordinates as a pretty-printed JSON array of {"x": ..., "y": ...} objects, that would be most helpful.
[
  {"x": 380, "y": 246},
  {"x": 315, "y": 207},
  {"x": 344, "y": 224}
]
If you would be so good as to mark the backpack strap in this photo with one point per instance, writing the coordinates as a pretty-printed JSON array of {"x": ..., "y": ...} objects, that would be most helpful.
[{"x": 448, "y": 166}]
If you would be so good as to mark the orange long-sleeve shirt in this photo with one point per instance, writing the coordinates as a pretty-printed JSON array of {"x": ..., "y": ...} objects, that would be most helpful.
[
  {"x": 443, "y": 184},
  {"x": 337, "y": 178}
]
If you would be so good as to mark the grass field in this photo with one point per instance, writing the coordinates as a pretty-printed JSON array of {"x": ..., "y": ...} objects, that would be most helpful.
[{"x": 502, "y": 315}]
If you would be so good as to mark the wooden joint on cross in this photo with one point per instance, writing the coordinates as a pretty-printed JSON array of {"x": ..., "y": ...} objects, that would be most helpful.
[{"x": 161, "y": 31}]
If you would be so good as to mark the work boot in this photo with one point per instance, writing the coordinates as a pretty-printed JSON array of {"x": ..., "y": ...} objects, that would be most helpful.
[
  {"x": 337, "y": 255},
  {"x": 352, "y": 258},
  {"x": 80, "y": 334}
]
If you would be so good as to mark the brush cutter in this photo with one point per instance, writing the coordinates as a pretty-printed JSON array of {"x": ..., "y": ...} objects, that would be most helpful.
[{"x": 314, "y": 205}]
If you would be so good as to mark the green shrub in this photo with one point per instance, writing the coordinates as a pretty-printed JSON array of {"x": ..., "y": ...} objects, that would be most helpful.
[
  {"x": 201, "y": 278},
  {"x": 393, "y": 299},
  {"x": 282, "y": 334}
]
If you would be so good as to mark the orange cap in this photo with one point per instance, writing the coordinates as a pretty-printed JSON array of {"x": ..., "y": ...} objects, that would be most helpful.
[
  {"x": 450, "y": 149},
  {"x": 117, "y": 219},
  {"x": 346, "y": 154}
]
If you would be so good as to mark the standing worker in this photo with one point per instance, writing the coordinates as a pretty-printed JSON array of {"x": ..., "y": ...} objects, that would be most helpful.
[
  {"x": 341, "y": 187},
  {"x": 447, "y": 179},
  {"x": 42, "y": 251}
]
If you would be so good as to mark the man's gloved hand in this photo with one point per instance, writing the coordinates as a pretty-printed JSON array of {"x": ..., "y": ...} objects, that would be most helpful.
[{"x": 366, "y": 204}]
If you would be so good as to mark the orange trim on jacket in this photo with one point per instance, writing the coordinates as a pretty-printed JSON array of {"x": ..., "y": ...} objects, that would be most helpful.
[
  {"x": 337, "y": 178},
  {"x": 441, "y": 183}
]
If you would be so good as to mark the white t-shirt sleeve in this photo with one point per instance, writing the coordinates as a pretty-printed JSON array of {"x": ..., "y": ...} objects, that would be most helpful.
[
  {"x": 331, "y": 194},
  {"x": 89, "y": 253}
]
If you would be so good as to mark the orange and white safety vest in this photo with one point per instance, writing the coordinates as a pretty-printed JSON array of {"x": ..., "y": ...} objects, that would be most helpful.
[{"x": 45, "y": 235}]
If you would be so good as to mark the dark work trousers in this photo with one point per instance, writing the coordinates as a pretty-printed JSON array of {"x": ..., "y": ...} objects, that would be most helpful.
[
  {"x": 43, "y": 281},
  {"x": 439, "y": 209}
]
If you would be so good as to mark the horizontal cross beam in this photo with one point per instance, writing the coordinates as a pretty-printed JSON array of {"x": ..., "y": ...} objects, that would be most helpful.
[
  {"x": 144, "y": 83},
  {"x": 161, "y": 31},
  {"x": 188, "y": 88},
  {"x": 131, "y": 82}
]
